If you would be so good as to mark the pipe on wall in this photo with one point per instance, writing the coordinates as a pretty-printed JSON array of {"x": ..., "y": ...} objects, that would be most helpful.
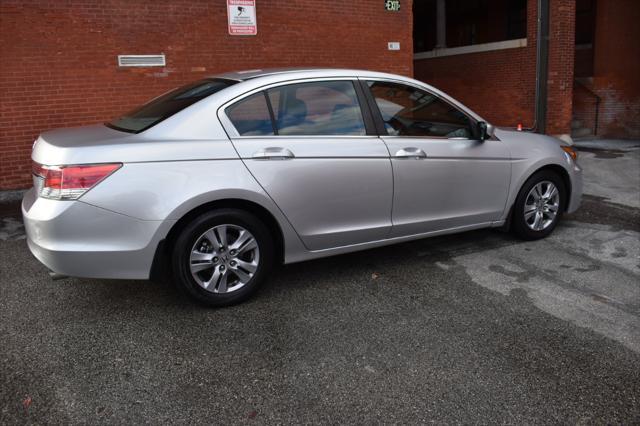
[{"x": 542, "y": 68}]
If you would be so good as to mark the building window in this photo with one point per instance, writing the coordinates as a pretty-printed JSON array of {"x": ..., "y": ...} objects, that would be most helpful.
[
  {"x": 585, "y": 37},
  {"x": 467, "y": 22},
  {"x": 424, "y": 25}
]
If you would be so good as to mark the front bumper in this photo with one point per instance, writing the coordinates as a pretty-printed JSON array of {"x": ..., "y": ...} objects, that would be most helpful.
[
  {"x": 77, "y": 239},
  {"x": 576, "y": 187}
]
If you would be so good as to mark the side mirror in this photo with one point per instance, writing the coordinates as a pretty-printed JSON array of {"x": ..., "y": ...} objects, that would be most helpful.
[{"x": 484, "y": 131}]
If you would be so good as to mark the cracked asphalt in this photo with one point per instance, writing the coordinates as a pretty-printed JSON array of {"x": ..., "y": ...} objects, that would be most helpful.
[{"x": 470, "y": 328}]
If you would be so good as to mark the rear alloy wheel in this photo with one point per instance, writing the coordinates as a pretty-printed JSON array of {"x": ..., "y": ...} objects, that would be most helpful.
[
  {"x": 539, "y": 205},
  {"x": 222, "y": 257}
]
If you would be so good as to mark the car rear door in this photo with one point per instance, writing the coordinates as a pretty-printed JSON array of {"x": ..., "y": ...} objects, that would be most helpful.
[
  {"x": 444, "y": 178},
  {"x": 312, "y": 147}
]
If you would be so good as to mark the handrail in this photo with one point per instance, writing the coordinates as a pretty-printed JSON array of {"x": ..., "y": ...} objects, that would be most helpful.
[{"x": 598, "y": 100}]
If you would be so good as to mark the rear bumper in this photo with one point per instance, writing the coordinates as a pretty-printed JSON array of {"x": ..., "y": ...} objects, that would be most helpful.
[{"x": 77, "y": 239}]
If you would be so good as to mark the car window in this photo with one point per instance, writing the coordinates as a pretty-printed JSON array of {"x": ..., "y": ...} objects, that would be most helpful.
[
  {"x": 408, "y": 111},
  {"x": 165, "y": 106},
  {"x": 318, "y": 108},
  {"x": 251, "y": 116}
]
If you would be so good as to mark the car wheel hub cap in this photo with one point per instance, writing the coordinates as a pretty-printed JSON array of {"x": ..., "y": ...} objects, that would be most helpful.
[
  {"x": 224, "y": 258},
  {"x": 541, "y": 206}
]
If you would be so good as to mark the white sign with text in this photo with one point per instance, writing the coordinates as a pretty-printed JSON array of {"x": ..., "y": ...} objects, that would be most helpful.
[{"x": 242, "y": 17}]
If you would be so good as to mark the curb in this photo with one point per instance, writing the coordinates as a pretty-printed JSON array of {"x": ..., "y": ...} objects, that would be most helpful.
[{"x": 12, "y": 195}]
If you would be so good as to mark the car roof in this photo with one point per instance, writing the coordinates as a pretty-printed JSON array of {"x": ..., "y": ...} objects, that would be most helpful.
[
  {"x": 253, "y": 79},
  {"x": 293, "y": 73},
  {"x": 250, "y": 82}
]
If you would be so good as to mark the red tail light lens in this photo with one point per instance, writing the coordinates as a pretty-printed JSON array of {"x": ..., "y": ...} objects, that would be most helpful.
[{"x": 69, "y": 182}]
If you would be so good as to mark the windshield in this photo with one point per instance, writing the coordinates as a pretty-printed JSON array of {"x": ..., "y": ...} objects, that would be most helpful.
[{"x": 168, "y": 104}]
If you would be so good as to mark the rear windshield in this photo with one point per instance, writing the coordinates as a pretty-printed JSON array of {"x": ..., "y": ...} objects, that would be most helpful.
[{"x": 168, "y": 104}]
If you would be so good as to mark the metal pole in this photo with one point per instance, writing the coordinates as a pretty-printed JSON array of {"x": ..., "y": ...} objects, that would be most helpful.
[
  {"x": 595, "y": 127},
  {"x": 542, "y": 66},
  {"x": 441, "y": 24}
]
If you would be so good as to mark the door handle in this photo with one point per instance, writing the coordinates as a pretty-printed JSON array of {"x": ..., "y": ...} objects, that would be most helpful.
[
  {"x": 273, "y": 153},
  {"x": 411, "y": 153}
]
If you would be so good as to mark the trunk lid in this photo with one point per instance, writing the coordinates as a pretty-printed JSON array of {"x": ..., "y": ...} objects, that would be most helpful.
[
  {"x": 100, "y": 144},
  {"x": 79, "y": 145}
]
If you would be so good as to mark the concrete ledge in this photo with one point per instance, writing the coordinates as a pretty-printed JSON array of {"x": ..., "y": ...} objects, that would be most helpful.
[
  {"x": 566, "y": 138},
  {"x": 475, "y": 48}
]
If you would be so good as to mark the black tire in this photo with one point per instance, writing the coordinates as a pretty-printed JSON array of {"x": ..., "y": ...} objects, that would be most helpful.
[
  {"x": 518, "y": 223},
  {"x": 192, "y": 233}
]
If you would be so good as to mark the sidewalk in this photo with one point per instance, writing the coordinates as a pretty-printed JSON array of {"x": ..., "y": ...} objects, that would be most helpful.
[{"x": 611, "y": 170}]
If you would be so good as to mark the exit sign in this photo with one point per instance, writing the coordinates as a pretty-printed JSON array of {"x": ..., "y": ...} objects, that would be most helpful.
[{"x": 392, "y": 5}]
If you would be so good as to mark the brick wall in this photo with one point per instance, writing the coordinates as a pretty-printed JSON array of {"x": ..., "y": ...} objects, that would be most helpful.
[
  {"x": 59, "y": 58},
  {"x": 616, "y": 76},
  {"x": 584, "y": 107},
  {"x": 500, "y": 84},
  {"x": 561, "y": 63}
]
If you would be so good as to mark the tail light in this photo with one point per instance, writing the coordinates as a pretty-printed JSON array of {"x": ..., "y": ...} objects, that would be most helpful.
[{"x": 69, "y": 182}]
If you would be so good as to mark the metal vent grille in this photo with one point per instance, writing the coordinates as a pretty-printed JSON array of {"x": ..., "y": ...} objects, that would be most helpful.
[{"x": 141, "y": 61}]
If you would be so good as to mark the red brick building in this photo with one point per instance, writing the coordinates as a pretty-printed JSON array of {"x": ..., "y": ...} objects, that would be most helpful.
[
  {"x": 608, "y": 66},
  {"x": 487, "y": 51},
  {"x": 495, "y": 71},
  {"x": 60, "y": 68},
  {"x": 59, "y": 59}
]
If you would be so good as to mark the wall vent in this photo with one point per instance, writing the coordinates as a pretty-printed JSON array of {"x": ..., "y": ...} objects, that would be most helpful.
[{"x": 141, "y": 60}]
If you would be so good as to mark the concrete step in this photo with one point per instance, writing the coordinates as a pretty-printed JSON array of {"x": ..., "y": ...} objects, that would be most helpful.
[
  {"x": 576, "y": 124},
  {"x": 581, "y": 132}
]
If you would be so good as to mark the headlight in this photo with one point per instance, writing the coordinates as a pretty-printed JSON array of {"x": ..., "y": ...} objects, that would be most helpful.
[{"x": 571, "y": 151}]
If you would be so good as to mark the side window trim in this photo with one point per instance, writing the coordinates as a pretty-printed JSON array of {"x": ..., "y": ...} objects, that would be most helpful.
[
  {"x": 232, "y": 132},
  {"x": 382, "y": 131},
  {"x": 367, "y": 117},
  {"x": 270, "y": 108},
  {"x": 376, "y": 115},
  {"x": 367, "y": 120},
  {"x": 365, "y": 108}
]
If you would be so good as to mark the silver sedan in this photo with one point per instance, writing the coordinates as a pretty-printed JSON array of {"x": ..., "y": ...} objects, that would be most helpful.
[{"x": 213, "y": 183}]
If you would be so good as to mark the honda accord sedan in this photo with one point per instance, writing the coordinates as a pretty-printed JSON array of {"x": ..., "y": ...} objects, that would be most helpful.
[{"x": 213, "y": 183}]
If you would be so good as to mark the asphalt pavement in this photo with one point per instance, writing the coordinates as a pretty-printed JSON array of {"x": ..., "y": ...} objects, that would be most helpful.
[{"x": 471, "y": 328}]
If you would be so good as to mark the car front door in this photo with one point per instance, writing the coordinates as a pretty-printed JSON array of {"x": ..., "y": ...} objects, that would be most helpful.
[
  {"x": 444, "y": 178},
  {"x": 312, "y": 148}
]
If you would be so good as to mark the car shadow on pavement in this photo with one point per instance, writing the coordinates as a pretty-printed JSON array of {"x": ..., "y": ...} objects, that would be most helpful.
[
  {"x": 386, "y": 329},
  {"x": 327, "y": 273},
  {"x": 374, "y": 263}
]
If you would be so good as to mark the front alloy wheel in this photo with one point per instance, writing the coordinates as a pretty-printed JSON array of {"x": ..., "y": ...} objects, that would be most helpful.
[{"x": 539, "y": 205}]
